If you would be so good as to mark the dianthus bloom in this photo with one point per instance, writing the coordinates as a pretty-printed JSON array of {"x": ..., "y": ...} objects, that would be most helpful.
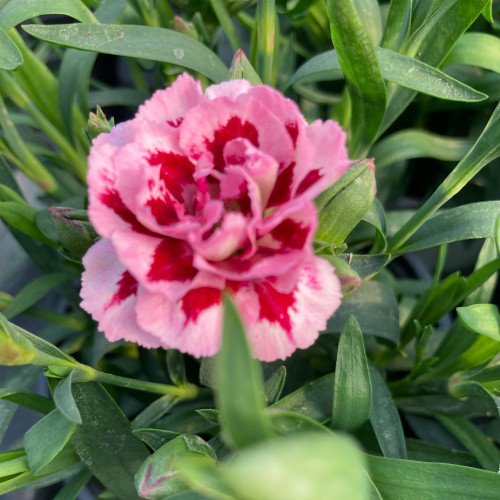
[{"x": 203, "y": 194}]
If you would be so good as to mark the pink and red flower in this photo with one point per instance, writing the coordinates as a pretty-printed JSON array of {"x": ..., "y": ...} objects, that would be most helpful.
[{"x": 209, "y": 193}]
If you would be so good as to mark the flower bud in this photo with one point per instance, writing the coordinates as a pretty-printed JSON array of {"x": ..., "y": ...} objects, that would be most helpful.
[
  {"x": 185, "y": 27},
  {"x": 74, "y": 230},
  {"x": 157, "y": 478},
  {"x": 98, "y": 123}
]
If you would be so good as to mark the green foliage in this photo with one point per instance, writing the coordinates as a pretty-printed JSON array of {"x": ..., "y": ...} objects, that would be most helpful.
[{"x": 407, "y": 366}]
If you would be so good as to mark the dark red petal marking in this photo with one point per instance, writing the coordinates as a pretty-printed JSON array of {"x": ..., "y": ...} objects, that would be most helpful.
[
  {"x": 175, "y": 123},
  {"x": 176, "y": 172},
  {"x": 311, "y": 178},
  {"x": 199, "y": 299},
  {"x": 282, "y": 188},
  {"x": 293, "y": 131},
  {"x": 274, "y": 306},
  {"x": 112, "y": 200},
  {"x": 172, "y": 261},
  {"x": 233, "y": 129},
  {"x": 291, "y": 233},
  {"x": 162, "y": 211},
  {"x": 127, "y": 286}
]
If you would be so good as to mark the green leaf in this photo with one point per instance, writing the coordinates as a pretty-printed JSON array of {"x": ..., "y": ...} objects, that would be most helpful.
[
  {"x": 376, "y": 309},
  {"x": 18, "y": 377},
  {"x": 430, "y": 404},
  {"x": 408, "y": 144},
  {"x": 364, "y": 81},
  {"x": 314, "y": 399},
  {"x": 76, "y": 66},
  {"x": 10, "y": 57},
  {"x": 22, "y": 217},
  {"x": 366, "y": 265},
  {"x": 370, "y": 16},
  {"x": 428, "y": 452},
  {"x": 63, "y": 398},
  {"x": 34, "y": 291},
  {"x": 74, "y": 486},
  {"x": 176, "y": 367},
  {"x": 385, "y": 419},
  {"x": 352, "y": 394},
  {"x": 104, "y": 441},
  {"x": 16, "y": 12},
  {"x": 226, "y": 23},
  {"x": 157, "y": 44},
  {"x": 29, "y": 400},
  {"x": 267, "y": 38},
  {"x": 397, "y": 25},
  {"x": 12, "y": 463},
  {"x": 476, "y": 49},
  {"x": 411, "y": 480},
  {"x": 156, "y": 410},
  {"x": 485, "y": 150},
  {"x": 157, "y": 477},
  {"x": 473, "y": 221},
  {"x": 273, "y": 386},
  {"x": 45, "y": 440},
  {"x": 340, "y": 213},
  {"x": 334, "y": 469},
  {"x": 435, "y": 47},
  {"x": 240, "y": 398},
  {"x": 64, "y": 465},
  {"x": 397, "y": 68},
  {"x": 155, "y": 438},
  {"x": 481, "y": 318},
  {"x": 473, "y": 440}
]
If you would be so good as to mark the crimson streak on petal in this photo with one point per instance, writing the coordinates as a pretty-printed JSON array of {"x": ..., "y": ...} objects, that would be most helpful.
[{"x": 172, "y": 261}]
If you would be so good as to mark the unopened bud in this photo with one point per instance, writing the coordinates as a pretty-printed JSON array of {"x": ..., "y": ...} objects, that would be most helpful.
[
  {"x": 185, "y": 27},
  {"x": 74, "y": 230},
  {"x": 98, "y": 124}
]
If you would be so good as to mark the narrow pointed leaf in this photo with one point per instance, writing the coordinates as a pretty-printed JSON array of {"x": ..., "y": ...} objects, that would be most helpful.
[
  {"x": 397, "y": 68},
  {"x": 473, "y": 440},
  {"x": 240, "y": 397},
  {"x": 413, "y": 143},
  {"x": 411, "y": 480},
  {"x": 481, "y": 318},
  {"x": 157, "y": 44},
  {"x": 359, "y": 64},
  {"x": 63, "y": 398},
  {"x": 46, "y": 439},
  {"x": 385, "y": 419},
  {"x": 352, "y": 394},
  {"x": 104, "y": 441},
  {"x": 476, "y": 49},
  {"x": 10, "y": 57},
  {"x": 16, "y": 12},
  {"x": 397, "y": 25}
]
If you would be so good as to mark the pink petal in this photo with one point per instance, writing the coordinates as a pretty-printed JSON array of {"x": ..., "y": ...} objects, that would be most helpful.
[
  {"x": 290, "y": 321},
  {"x": 109, "y": 295},
  {"x": 170, "y": 105},
  {"x": 232, "y": 89},
  {"x": 208, "y": 127},
  {"x": 162, "y": 265},
  {"x": 192, "y": 324},
  {"x": 330, "y": 159}
]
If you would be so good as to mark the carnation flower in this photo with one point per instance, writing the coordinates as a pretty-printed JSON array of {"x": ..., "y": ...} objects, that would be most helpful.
[{"x": 203, "y": 194}]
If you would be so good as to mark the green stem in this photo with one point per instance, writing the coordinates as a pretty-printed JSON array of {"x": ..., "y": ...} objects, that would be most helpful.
[
  {"x": 485, "y": 150},
  {"x": 266, "y": 38},
  {"x": 187, "y": 391}
]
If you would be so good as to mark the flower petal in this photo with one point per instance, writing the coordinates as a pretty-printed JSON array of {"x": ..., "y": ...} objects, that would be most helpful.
[
  {"x": 170, "y": 105},
  {"x": 290, "y": 321},
  {"x": 192, "y": 324},
  {"x": 109, "y": 295}
]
